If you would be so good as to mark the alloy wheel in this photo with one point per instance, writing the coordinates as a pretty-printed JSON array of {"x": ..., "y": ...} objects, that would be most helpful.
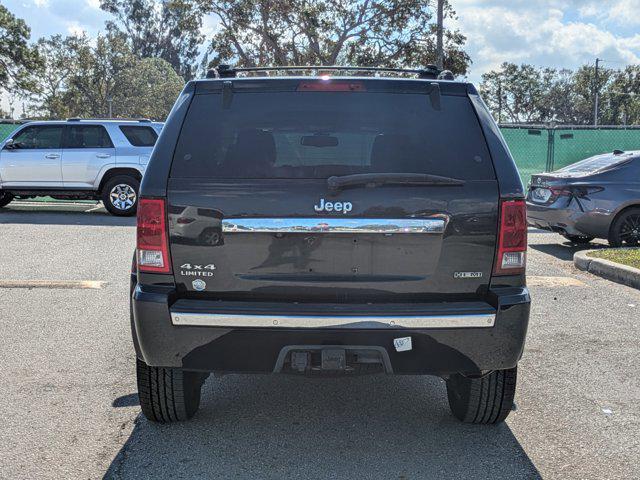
[
  {"x": 122, "y": 196},
  {"x": 630, "y": 230}
]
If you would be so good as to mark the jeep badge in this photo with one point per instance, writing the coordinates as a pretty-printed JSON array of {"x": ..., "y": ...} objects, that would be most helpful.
[{"x": 344, "y": 207}]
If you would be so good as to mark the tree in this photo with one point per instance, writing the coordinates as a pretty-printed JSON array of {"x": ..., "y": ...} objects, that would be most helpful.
[
  {"x": 148, "y": 89},
  {"x": 560, "y": 100},
  {"x": 81, "y": 80},
  {"x": 60, "y": 62},
  {"x": 17, "y": 58},
  {"x": 110, "y": 74},
  {"x": 94, "y": 82},
  {"x": 584, "y": 95},
  {"x": 328, "y": 32},
  {"x": 169, "y": 30},
  {"x": 526, "y": 94},
  {"x": 515, "y": 92},
  {"x": 623, "y": 94}
]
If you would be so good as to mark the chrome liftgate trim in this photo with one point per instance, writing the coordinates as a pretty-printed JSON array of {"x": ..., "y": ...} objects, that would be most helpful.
[{"x": 334, "y": 225}]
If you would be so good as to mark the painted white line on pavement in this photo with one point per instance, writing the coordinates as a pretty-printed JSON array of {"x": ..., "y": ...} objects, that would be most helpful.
[
  {"x": 540, "y": 281},
  {"x": 49, "y": 204},
  {"x": 97, "y": 207},
  {"x": 69, "y": 284}
]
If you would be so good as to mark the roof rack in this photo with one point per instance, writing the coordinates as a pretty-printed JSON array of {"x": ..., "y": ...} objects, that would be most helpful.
[
  {"x": 78, "y": 119},
  {"x": 429, "y": 72}
]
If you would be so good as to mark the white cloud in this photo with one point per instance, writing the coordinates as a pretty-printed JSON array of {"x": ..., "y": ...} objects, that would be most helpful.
[
  {"x": 554, "y": 33},
  {"x": 95, "y": 4},
  {"x": 617, "y": 12},
  {"x": 74, "y": 28},
  {"x": 210, "y": 25}
]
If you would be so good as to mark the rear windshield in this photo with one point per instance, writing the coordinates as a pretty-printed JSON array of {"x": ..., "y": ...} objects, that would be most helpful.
[
  {"x": 595, "y": 164},
  {"x": 320, "y": 134}
]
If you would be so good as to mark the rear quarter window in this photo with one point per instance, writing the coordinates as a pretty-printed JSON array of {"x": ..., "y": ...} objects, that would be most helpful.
[
  {"x": 87, "y": 136},
  {"x": 320, "y": 134},
  {"x": 139, "y": 136}
]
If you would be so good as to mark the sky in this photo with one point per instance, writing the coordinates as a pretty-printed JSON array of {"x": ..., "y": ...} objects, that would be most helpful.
[{"x": 546, "y": 33}]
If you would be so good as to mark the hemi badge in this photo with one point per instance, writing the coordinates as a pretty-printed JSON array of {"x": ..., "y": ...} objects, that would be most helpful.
[{"x": 467, "y": 275}]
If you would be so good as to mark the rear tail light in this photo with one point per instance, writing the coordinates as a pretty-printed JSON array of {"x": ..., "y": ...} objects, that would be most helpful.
[
  {"x": 152, "y": 239},
  {"x": 512, "y": 238},
  {"x": 552, "y": 194},
  {"x": 560, "y": 192}
]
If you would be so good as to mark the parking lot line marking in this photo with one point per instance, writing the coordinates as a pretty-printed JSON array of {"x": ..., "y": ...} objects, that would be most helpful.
[
  {"x": 69, "y": 284},
  {"x": 540, "y": 281},
  {"x": 34, "y": 205}
]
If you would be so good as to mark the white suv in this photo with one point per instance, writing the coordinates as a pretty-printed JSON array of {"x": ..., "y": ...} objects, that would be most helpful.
[{"x": 78, "y": 159}]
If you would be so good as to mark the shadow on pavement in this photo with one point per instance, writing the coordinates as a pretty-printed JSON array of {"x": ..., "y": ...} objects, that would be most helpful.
[
  {"x": 62, "y": 215},
  {"x": 126, "y": 401},
  {"x": 564, "y": 250},
  {"x": 297, "y": 427}
]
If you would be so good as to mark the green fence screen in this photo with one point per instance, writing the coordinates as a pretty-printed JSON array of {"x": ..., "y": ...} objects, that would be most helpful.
[
  {"x": 6, "y": 129},
  {"x": 545, "y": 149}
]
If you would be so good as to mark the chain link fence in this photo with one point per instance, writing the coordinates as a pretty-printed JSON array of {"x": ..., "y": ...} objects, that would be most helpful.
[
  {"x": 538, "y": 149},
  {"x": 6, "y": 129}
]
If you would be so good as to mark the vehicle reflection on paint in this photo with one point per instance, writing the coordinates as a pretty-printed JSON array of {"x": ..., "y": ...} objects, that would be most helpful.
[{"x": 196, "y": 226}]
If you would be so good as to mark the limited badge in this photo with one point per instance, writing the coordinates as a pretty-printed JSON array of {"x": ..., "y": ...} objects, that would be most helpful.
[
  {"x": 193, "y": 270},
  {"x": 199, "y": 285}
]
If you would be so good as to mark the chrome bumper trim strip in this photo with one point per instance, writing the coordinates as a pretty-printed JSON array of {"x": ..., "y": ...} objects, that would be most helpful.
[{"x": 308, "y": 321}]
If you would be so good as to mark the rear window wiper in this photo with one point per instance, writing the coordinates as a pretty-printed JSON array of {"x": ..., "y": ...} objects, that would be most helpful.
[{"x": 337, "y": 183}]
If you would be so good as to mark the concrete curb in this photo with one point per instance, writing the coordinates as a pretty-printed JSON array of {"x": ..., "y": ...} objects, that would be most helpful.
[{"x": 607, "y": 269}]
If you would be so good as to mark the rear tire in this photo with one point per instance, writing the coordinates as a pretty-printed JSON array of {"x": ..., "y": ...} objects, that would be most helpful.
[
  {"x": 168, "y": 394},
  {"x": 120, "y": 195},
  {"x": 623, "y": 227},
  {"x": 5, "y": 199},
  {"x": 578, "y": 239},
  {"x": 484, "y": 400}
]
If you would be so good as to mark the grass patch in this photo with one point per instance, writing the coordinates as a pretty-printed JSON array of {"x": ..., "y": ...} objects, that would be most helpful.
[{"x": 625, "y": 256}]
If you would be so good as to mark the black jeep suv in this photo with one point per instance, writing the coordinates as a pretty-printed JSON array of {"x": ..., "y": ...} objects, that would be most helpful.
[{"x": 330, "y": 224}]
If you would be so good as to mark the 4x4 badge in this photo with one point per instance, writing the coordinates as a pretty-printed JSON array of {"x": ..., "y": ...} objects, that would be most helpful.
[{"x": 192, "y": 270}]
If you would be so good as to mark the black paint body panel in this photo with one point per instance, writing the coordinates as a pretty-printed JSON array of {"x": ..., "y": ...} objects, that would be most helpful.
[
  {"x": 333, "y": 266},
  {"x": 370, "y": 273}
]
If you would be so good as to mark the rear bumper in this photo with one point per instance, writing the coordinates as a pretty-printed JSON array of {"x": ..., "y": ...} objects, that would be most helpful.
[
  {"x": 214, "y": 336},
  {"x": 570, "y": 220}
]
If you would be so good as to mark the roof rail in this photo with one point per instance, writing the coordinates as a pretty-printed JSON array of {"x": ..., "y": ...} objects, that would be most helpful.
[
  {"x": 142, "y": 120},
  {"x": 428, "y": 72}
]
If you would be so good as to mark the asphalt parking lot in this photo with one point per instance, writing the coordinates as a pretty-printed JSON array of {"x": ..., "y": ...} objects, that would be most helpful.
[{"x": 69, "y": 404}]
